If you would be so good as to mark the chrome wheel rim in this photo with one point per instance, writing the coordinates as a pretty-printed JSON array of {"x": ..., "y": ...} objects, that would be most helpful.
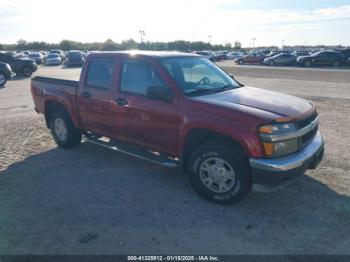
[
  {"x": 2, "y": 79},
  {"x": 60, "y": 129},
  {"x": 217, "y": 175}
]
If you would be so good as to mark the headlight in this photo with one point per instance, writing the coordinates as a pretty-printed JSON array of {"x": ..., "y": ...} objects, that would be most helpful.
[{"x": 275, "y": 139}]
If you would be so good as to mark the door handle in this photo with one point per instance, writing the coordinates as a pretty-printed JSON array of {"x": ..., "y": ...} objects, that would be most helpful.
[
  {"x": 121, "y": 101},
  {"x": 86, "y": 94}
]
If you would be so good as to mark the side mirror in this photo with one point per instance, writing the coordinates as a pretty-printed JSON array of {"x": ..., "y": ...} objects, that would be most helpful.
[{"x": 160, "y": 93}]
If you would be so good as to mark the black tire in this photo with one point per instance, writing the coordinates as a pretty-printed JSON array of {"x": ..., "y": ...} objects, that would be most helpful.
[
  {"x": 336, "y": 63},
  {"x": 241, "y": 62},
  {"x": 27, "y": 71},
  {"x": 307, "y": 63},
  {"x": 272, "y": 63},
  {"x": 72, "y": 136},
  {"x": 3, "y": 79},
  {"x": 211, "y": 151}
]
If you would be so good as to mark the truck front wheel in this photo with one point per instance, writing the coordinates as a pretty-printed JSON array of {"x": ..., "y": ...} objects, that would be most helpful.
[
  {"x": 219, "y": 173},
  {"x": 62, "y": 129}
]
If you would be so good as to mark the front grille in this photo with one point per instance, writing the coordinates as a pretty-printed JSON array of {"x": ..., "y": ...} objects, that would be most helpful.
[
  {"x": 306, "y": 121},
  {"x": 307, "y": 138}
]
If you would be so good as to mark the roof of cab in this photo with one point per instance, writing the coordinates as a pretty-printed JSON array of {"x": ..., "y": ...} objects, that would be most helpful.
[{"x": 145, "y": 53}]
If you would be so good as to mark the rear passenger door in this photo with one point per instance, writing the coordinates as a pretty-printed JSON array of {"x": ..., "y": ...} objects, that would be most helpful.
[
  {"x": 149, "y": 122},
  {"x": 98, "y": 110}
]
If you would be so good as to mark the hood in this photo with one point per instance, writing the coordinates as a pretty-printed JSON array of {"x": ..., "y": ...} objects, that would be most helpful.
[{"x": 259, "y": 102}]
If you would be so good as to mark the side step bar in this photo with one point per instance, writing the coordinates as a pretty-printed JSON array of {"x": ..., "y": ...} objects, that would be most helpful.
[{"x": 132, "y": 150}]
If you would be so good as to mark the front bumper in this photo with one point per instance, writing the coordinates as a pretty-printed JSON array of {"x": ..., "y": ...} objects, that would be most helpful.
[{"x": 271, "y": 174}]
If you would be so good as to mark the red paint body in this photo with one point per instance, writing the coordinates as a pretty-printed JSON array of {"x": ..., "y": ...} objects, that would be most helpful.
[{"x": 164, "y": 126}]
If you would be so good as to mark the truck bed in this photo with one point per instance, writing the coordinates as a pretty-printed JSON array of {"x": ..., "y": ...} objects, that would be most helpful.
[
  {"x": 46, "y": 89},
  {"x": 56, "y": 81}
]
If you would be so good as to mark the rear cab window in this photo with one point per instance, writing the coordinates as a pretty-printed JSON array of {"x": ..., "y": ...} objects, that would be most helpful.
[{"x": 100, "y": 73}]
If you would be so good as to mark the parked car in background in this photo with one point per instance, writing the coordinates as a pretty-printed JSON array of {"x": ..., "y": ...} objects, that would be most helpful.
[
  {"x": 333, "y": 58},
  {"x": 254, "y": 58},
  {"x": 273, "y": 53},
  {"x": 44, "y": 53},
  {"x": 74, "y": 58},
  {"x": 281, "y": 59},
  {"x": 301, "y": 53},
  {"x": 5, "y": 73},
  {"x": 21, "y": 55},
  {"x": 221, "y": 55},
  {"x": 59, "y": 52},
  {"x": 11, "y": 53},
  {"x": 21, "y": 66},
  {"x": 37, "y": 57},
  {"x": 345, "y": 52},
  {"x": 53, "y": 59},
  {"x": 234, "y": 55},
  {"x": 207, "y": 54}
]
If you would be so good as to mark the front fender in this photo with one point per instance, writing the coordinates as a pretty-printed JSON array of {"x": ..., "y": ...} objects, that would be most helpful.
[{"x": 246, "y": 137}]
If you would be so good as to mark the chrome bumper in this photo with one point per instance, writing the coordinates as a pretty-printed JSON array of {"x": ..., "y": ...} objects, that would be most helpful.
[{"x": 289, "y": 162}]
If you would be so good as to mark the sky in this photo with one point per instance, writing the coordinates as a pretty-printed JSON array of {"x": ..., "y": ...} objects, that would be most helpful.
[{"x": 269, "y": 22}]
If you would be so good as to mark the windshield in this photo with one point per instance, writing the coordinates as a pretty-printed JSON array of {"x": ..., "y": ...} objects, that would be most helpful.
[{"x": 195, "y": 74}]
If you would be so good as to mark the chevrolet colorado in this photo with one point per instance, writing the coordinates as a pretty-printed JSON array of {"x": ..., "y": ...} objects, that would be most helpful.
[{"x": 181, "y": 110}]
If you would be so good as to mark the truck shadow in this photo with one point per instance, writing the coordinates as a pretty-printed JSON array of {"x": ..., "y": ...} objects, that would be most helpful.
[{"x": 49, "y": 201}]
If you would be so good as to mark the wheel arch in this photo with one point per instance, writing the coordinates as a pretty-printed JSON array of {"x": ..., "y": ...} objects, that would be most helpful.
[
  {"x": 197, "y": 136},
  {"x": 50, "y": 107}
]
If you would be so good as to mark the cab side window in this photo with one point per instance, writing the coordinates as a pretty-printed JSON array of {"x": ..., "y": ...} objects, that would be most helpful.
[
  {"x": 100, "y": 72},
  {"x": 137, "y": 76}
]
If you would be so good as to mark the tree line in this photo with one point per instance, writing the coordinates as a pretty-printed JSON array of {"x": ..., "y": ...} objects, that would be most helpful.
[{"x": 110, "y": 45}]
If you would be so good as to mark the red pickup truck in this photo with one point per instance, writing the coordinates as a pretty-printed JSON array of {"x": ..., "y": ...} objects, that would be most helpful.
[{"x": 181, "y": 110}]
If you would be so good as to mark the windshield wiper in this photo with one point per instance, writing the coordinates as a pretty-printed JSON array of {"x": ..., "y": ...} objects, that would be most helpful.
[
  {"x": 225, "y": 88},
  {"x": 199, "y": 91}
]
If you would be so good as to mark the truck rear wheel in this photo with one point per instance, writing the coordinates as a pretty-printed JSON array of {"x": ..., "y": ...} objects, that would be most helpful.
[
  {"x": 219, "y": 174},
  {"x": 62, "y": 129}
]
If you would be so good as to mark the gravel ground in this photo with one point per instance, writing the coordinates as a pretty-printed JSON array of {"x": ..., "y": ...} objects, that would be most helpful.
[{"x": 92, "y": 201}]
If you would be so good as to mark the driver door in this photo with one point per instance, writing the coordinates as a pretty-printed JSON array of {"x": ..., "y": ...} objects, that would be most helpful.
[{"x": 149, "y": 122}]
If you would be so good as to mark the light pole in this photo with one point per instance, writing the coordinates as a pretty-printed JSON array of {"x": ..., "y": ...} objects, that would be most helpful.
[
  {"x": 282, "y": 44},
  {"x": 210, "y": 36},
  {"x": 142, "y": 34},
  {"x": 253, "y": 39}
]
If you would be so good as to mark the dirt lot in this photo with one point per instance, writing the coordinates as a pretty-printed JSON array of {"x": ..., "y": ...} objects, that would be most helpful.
[{"x": 92, "y": 201}]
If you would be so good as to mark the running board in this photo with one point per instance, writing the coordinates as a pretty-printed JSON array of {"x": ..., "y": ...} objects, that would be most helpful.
[{"x": 133, "y": 150}]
